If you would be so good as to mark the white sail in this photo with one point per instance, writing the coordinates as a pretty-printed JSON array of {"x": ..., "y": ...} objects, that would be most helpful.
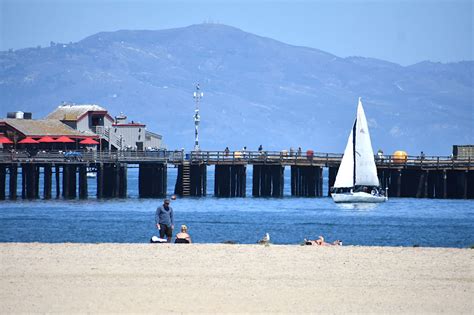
[
  {"x": 345, "y": 174},
  {"x": 365, "y": 169}
]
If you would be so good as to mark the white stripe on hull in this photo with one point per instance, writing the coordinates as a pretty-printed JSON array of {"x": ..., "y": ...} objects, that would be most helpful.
[{"x": 357, "y": 197}]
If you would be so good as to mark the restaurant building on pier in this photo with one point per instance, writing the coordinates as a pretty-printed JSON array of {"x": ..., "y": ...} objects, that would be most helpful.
[{"x": 78, "y": 122}]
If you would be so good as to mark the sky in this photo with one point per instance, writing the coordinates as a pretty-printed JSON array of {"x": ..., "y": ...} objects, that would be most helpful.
[{"x": 404, "y": 32}]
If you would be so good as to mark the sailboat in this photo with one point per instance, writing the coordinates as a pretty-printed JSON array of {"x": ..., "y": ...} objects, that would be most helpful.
[{"x": 356, "y": 179}]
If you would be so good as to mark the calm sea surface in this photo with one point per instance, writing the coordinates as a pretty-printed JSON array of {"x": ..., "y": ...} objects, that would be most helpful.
[{"x": 398, "y": 222}]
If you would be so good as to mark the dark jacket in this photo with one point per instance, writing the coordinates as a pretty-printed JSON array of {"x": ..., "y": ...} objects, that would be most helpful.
[{"x": 163, "y": 216}]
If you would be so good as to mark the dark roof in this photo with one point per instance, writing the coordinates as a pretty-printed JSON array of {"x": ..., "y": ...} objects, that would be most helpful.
[{"x": 43, "y": 127}]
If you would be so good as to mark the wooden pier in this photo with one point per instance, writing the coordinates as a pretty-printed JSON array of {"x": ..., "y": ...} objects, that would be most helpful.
[{"x": 416, "y": 177}]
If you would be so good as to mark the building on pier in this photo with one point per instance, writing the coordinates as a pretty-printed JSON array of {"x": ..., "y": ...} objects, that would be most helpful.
[
  {"x": 115, "y": 134},
  {"x": 17, "y": 129},
  {"x": 82, "y": 121}
]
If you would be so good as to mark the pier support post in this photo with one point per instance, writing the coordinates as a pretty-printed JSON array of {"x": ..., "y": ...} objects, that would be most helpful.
[
  {"x": 47, "y": 181},
  {"x": 399, "y": 183},
  {"x": 197, "y": 182},
  {"x": 445, "y": 187},
  {"x": 425, "y": 192},
  {"x": 83, "y": 181},
  {"x": 37, "y": 181},
  {"x": 123, "y": 170},
  {"x": 306, "y": 181},
  {"x": 13, "y": 181},
  {"x": 69, "y": 181},
  {"x": 152, "y": 180},
  {"x": 268, "y": 180},
  {"x": 23, "y": 181},
  {"x": 230, "y": 180},
  {"x": 469, "y": 184},
  {"x": 29, "y": 181},
  {"x": 465, "y": 190},
  {"x": 3, "y": 177},
  {"x": 110, "y": 179},
  {"x": 57, "y": 174},
  {"x": 100, "y": 180},
  {"x": 421, "y": 185},
  {"x": 332, "y": 172},
  {"x": 178, "y": 187}
]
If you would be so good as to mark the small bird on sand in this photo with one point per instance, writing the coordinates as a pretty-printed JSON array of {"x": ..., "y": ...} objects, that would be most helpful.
[{"x": 265, "y": 240}]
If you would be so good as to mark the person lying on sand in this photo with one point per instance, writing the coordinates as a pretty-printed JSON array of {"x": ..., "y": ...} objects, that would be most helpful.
[{"x": 320, "y": 241}]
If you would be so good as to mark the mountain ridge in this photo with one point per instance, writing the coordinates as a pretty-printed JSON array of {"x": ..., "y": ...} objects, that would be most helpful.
[{"x": 257, "y": 90}]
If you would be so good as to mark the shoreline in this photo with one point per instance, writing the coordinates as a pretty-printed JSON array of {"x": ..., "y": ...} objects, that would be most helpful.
[
  {"x": 143, "y": 277},
  {"x": 235, "y": 244}
]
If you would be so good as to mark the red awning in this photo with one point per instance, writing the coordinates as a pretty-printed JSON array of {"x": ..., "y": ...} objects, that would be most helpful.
[
  {"x": 89, "y": 141},
  {"x": 46, "y": 139},
  {"x": 64, "y": 139},
  {"x": 5, "y": 140},
  {"x": 28, "y": 140}
]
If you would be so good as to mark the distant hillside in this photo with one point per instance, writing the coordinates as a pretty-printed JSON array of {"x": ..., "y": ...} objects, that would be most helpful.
[{"x": 257, "y": 90}]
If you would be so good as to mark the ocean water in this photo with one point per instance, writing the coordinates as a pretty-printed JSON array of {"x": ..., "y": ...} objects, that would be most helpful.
[{"x": 288, "y": 220}]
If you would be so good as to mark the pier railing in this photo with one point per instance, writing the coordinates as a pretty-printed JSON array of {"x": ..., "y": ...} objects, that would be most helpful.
[{"x": 227, "y": 157}]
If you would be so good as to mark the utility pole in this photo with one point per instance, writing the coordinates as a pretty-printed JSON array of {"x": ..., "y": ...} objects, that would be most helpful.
[{"x": 197, "y": 119}]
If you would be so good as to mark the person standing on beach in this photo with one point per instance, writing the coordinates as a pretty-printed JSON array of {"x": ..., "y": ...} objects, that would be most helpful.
[{"x": 164, "y": 220}]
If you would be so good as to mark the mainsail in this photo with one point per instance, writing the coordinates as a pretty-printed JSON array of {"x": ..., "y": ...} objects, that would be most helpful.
[{"x": 358, "y": 165}]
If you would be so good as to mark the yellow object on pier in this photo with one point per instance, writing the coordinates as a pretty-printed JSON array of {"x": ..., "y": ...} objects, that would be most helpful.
[{"x": 399, "y": 157}]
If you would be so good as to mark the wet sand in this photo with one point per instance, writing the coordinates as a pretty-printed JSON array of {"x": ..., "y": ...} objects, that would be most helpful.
[{"x": 221, "y": 278}]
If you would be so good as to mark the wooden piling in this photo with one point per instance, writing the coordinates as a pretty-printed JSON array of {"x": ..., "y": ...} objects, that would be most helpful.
[
  {"x": 268, "y": 180},
  {"x": 445, "y": 187},
  {"x": 470, "y": 184},
  {"x": 230, "y": 181},
  {"x": 332, "y": 172},
  {"x": 57, "y": 177},
  {"x": 3, "y": 178},
  {"x": 29, "y": 181},
  {"x": 178, "y": 188},
  {"x": 399, "y": 183},
  {"x": 110, "y": 180},
  {"x": 152, "y": 180},
  {"x": 69, "y": 181},
  {"x": 23, "y": 181},
  {"x": 100, "y": 180},
  {"x": 306, "y": 181},
  {"x": 47, "y": 181},
  {"x": 83, "y": 181},
  {"x": 73, "y": 181},
  {"x": 465, "y": 190},
  {"x": 122, "y": 190},
  {"x": 13, "y": 181},
  {"x": 37, "y": 180},
  {"x": 425, "y": 192}
]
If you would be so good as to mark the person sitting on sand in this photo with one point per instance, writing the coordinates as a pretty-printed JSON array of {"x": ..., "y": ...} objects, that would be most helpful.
[
  {"x": 320, "y": 241},
  {"x": 183, "y": 237}
]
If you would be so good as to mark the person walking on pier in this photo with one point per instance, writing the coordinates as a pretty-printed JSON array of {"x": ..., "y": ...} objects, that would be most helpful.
[{"x": 164, "y": 219}]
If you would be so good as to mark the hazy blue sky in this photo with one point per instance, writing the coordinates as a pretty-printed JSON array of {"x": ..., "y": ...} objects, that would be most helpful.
[{"x": 405, "y": 32}]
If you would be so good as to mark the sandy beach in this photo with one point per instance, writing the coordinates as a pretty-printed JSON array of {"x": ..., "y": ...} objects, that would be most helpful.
[{"x": 221, "y": 278}]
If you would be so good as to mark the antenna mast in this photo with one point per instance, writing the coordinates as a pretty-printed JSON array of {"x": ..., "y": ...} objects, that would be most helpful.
[{"x": 197, "y": 119}]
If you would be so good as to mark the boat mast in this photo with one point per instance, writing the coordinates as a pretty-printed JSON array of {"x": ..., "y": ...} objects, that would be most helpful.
[{"x": 354, "y": 129}]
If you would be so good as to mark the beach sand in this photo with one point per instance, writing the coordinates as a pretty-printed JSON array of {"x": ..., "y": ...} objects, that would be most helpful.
[{"x": 221, "y": 278}]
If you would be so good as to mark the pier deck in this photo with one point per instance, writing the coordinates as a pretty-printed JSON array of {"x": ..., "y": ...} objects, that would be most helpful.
[
  {"x": 413, "y": 176},
  {"x": 237, "y": 158}
]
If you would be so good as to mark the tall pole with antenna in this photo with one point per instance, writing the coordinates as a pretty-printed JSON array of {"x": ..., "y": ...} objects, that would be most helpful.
[{"x": 197, "y": 119}]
